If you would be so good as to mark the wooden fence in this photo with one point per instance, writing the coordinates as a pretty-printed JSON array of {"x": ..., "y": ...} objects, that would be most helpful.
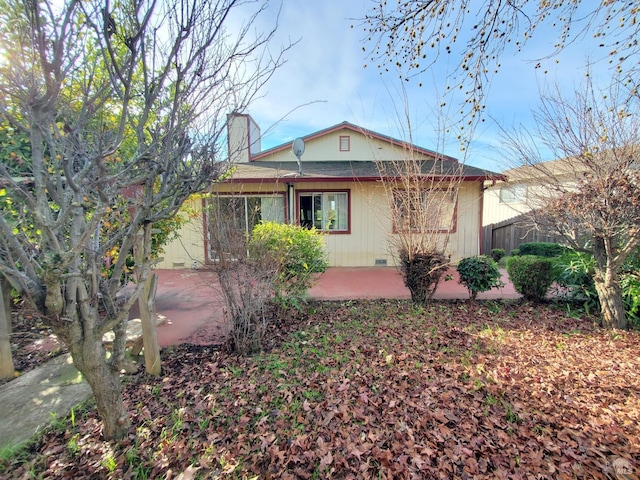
[{"x": 510, "y": 234}]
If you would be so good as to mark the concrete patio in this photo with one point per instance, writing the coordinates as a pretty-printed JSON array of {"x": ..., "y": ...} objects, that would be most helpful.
[{"x": 191, "y": 301}]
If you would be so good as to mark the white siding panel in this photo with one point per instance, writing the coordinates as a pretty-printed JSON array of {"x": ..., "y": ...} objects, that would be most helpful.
[{"x": 496, "y": 211}]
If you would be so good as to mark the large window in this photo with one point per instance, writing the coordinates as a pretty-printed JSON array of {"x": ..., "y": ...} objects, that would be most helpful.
[
  {"x": 230, "y": 218},
  {"x": 423, "y": 210},
  {"x": 243, "y": 212},
  {"x": 325, "y": 211}
]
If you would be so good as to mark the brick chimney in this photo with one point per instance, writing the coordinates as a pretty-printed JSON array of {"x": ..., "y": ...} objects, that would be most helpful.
[{"x": 243, "y": 137}]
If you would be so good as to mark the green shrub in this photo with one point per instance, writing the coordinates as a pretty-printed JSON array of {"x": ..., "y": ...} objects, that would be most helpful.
[
  {"x": 573, "y": 272},
  {"x": 479, "y": 274},
  {"x": 515, "y": 252},
  {"x": 542, "y": 249},
  {"x": 297, "y": 251},
  {"x": 630, "y": 283},
  {"x": 531, "y": 275},
  {"x": 497, "y": 254}
]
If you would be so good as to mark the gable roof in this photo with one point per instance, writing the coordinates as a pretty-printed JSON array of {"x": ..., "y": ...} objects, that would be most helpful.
[
  {"x": 262, "y": 169},
  {"x": 355, "y": 128}
]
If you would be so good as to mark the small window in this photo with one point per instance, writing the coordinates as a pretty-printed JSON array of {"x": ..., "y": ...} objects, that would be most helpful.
[
  {"x": 513, "y": 194},
  {"x": 345, "y": 143},
  {"x": 327, "y": 211}
]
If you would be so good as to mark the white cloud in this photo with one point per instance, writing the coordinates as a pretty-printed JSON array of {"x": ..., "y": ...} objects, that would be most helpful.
[{"x": 327, "y": 66}]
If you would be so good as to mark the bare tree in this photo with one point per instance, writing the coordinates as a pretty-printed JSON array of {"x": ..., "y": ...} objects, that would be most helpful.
[
  {"x": 590, "y": 195},
  {"x": 247, "y": 282},
  {"x": 411, "y": 36},
  {"x": 422, "y": 193},
  {"x": 125, "y": 108}
]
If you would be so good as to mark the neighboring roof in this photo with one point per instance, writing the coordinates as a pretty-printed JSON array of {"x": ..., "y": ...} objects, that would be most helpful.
[
  {"x": 356, "y": 129},
  {"x": 567, "y": 167},
  {"x": 564, "y": 167},
  {"x": 336, "y": 171}
]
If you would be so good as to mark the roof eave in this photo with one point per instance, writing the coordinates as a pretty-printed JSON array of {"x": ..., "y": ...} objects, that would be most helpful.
[{"x": 375, "y": 178}]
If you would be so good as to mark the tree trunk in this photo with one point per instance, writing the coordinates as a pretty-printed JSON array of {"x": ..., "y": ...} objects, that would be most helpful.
[
  {"x": 5, "y": 291},
  {"x": 76, "y": 321},
  {"x": 611, "y": 303},
  {"x": 149, "y": 329},
  {"x": 608, "y": 286},
  {"x": 119, "y": 345},
  {"x": 89, "y": 357},
  {"x": 7, "y": 369}
]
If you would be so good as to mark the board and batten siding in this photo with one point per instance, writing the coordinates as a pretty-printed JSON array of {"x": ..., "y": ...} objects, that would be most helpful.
[
  {"x": 495, "y": 210},
  {"x": 327, "y": 149},
  {"x": 369, "y": 239}
]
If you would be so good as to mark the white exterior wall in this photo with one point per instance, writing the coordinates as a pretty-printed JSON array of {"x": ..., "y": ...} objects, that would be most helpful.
[
  {"x": 243, "y": 138},
  {"x": 496, "y": 211}
]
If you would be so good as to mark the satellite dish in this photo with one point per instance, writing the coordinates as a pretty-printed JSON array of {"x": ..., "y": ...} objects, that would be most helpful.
[
  {"x": 298, "y": 150},
  {"x": 298, "y": 147}
]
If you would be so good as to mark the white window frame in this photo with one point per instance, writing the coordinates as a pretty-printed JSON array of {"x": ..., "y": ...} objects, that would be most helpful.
[{"x": 345, "y": 143}]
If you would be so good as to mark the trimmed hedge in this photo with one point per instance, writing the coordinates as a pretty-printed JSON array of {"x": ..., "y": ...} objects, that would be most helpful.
[
  {"x": 531, "y": 275},
  {"x": 541, "y": 249}
]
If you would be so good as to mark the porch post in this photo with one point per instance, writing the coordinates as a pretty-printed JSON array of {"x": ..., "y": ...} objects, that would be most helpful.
[{"x": 291, "y": 200}]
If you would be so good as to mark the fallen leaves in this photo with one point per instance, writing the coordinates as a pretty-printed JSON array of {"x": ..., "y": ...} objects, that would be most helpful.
[{"x": 379, "y": 390}]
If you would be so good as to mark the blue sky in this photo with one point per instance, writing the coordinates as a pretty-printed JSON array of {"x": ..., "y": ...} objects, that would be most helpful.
[{"x": 326, "y": 67}]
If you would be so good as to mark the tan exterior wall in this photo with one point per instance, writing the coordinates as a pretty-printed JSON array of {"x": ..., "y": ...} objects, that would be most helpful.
[
  {"x": 371, "y": 234},
  {"x": 327, "y": 148},
  {"x": 466, "y": 241},
  {"x": 189, "y": 247}
]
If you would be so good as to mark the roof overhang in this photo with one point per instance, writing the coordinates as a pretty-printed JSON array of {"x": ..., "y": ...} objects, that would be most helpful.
[{"x": 343, "y": 171}]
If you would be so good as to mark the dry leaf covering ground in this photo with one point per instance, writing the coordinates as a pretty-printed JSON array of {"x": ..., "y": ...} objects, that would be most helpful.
[
  {"x": 377, "y": 390},
  {"x": 32, "y": 342}
]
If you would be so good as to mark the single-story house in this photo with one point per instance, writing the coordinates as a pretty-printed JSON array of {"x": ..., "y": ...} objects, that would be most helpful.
[{"x": 341, "y": 187}]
